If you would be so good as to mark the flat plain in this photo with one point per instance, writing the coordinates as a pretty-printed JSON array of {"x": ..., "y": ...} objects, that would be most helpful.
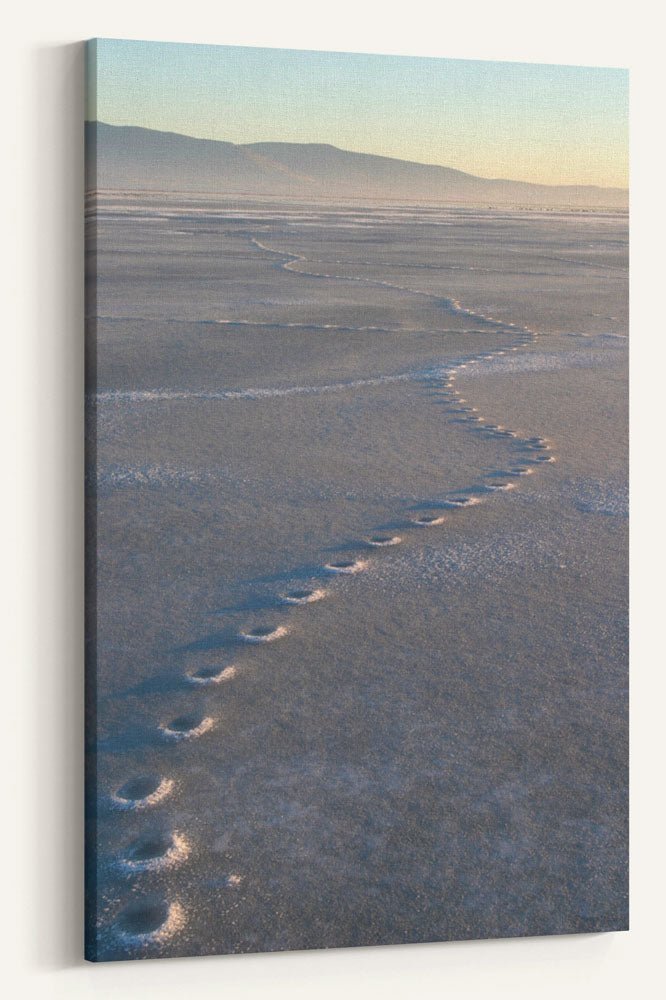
[{"x": 360, "y": 494}]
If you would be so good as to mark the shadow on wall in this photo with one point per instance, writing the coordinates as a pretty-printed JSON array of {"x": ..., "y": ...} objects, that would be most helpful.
[{"x": 54, "y": 561}]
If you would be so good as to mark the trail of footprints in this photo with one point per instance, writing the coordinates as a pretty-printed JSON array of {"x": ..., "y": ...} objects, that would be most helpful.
[{"x": 152, "y": 919}]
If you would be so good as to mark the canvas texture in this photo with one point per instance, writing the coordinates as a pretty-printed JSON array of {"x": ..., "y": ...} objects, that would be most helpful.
[{"x": 356, "y": 487}]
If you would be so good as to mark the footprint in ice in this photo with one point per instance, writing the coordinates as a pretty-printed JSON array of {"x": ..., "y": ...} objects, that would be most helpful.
[
  {"x": 153, "y": 852},
  {"x": 187, "y": 727},
  {"x": 212, "y": 674},
  {"x": 522, "y": 470},
  {"x": 461, "y": 502},
  {"x": 382, "y": 541},
  {"x": 428, "y": 520},
  {"x": 346, "y": 566},
  {"x": 150, "y": 919},
  {"x": 142, "y": 792},
  {"x": 500, "y": 487},
  {"x": 302, "y": 596},
  {"x": 263, "y": 633}
]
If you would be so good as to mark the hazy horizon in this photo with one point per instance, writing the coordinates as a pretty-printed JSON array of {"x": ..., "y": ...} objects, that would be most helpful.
[
  {"x": 313, "y": 142},
  {"x": 544, "y": 124}
]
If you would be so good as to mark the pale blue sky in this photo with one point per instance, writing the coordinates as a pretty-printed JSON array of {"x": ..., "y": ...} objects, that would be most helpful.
[{"x": 549, "y": 124}]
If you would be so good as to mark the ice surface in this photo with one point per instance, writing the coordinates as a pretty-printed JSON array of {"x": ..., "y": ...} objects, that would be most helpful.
[{"x": 438, "y": 749}]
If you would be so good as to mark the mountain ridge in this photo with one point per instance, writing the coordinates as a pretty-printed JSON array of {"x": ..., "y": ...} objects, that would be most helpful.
[{"x": 134, "y": 158}]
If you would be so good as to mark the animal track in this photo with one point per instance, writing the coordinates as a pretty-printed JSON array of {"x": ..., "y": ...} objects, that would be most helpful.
[
  {"x": 346, "y": 566},
  {"x": 212, "y": 675},
  {"x": 152, "y": 919},
  {"x": 155, "y": 852},
  {"x": 263, "y": 633},
  {"x": 303, "y": 596},
  {"x": 142, "y": 792},
  {"x": 187, "y": 727}
]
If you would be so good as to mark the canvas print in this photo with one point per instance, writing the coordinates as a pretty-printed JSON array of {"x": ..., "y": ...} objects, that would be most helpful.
[{"x": 356, "y": 487}]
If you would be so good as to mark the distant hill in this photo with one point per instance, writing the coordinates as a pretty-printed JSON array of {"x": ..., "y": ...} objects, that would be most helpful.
[{"x": 139, "y": 159}]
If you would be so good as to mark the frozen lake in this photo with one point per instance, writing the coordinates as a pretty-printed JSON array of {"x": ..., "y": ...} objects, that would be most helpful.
[{"x": 361, "y": 500}]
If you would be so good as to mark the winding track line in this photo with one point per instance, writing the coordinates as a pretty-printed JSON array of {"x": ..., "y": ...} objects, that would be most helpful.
[{"x": 538, "y": 453}]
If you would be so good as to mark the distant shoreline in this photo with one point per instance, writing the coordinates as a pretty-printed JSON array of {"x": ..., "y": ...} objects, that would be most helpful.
[{"x": 359, "y": 202}]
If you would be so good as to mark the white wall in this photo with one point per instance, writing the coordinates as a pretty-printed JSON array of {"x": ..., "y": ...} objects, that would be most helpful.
[{"x": 42, "y": 586}]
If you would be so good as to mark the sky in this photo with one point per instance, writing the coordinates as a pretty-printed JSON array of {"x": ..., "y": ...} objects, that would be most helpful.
[{"x": 522, "y": 121}]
